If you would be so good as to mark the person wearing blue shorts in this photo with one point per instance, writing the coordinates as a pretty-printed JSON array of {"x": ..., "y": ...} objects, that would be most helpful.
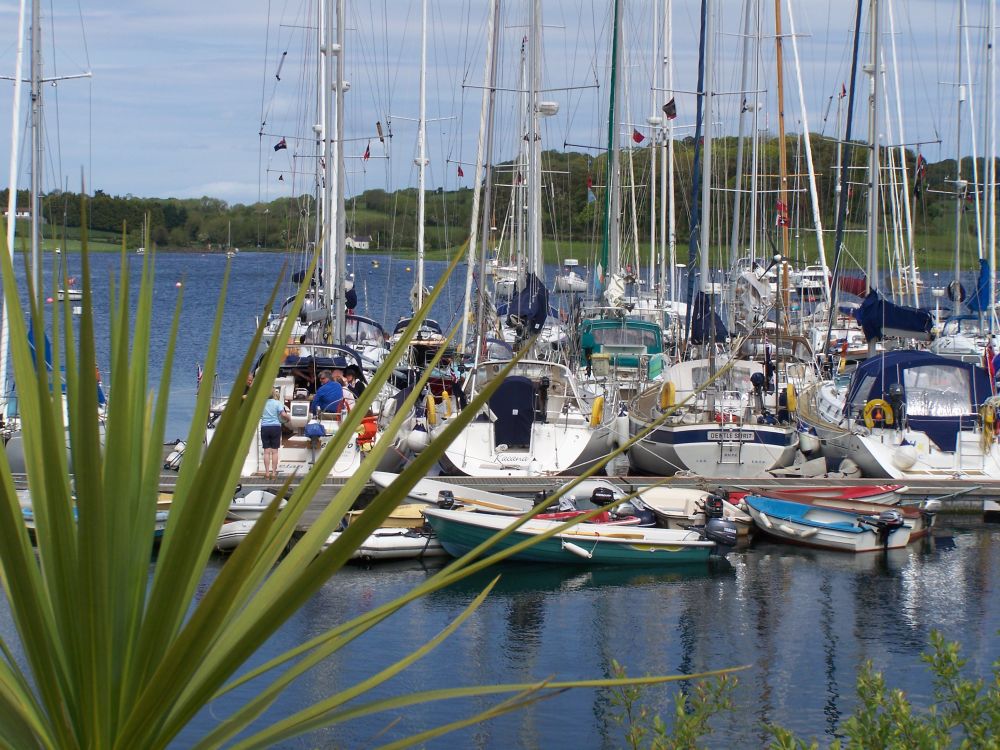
[{"x": 275, "y": 414}]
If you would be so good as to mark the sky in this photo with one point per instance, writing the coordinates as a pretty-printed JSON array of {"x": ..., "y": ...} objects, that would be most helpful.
[{"x": 181, "y": 91}]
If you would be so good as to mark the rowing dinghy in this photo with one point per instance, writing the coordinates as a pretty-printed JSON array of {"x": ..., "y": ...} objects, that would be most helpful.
[{"x": 586, "y": 544}]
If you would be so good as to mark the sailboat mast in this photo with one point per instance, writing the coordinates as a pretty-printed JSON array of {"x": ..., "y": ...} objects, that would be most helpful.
[
  {"x": 871, "y": 277},
  {"x": 326, "y": 162},
  {"x": 991, "y": 153},
  {"x": 810, "y": 164},
  {"x": 706, "y": 165},
  {"x": 783, "y": 210},
  {"x": 960, "y": 184},
  {"x": 668, "y": 213},
  {"x": 15, "y": 116},
  {"x": 535, "y": 260},
  {"x": 612, "y": 199},
  {"x": 421, "y": 157},
  {"x": 734, "y": 237},
  {"x": 337, "y": 241},
  {"x": 481, "y": 205},
  {"x": 36, "y": 145},
  {"x": 655, "y": 258}
]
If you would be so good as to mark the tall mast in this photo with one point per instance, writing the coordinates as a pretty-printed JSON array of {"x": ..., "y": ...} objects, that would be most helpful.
[
  {"x": 734, "y": 237},
  {"x": 991, "y": 153},
  {"x": 340, "y": 312},
  {"x": 479, "y": 230},
  {"x": 811, "y": 169},
  {"x": 36, "y": 145},
  {"x": 960, "y": 184},
  {"x": 326, "y": 162},
  {"x": 871, "y": 277},
  {"x": 421, "y": 157},
  {"x": 783, "y": 213},
  {"x": 668, "y": 214},
  {"x": 907, "y": 209},
  {"x": 15, "y": 129},
  {"x": 706, "y": 165},
  {"x": 535, "y": 260},
  {"x": 656, "y": 121},
  {"x": 612, "y": 199}
]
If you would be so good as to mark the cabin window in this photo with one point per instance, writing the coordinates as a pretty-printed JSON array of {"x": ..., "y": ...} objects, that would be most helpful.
[
  {"x": 862, "y": 395},
  {"x": 936, "y": 391}
]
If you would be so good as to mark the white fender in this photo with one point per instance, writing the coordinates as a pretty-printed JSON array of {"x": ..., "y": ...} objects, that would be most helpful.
[
  {"x": 764, "y": 520},
  {"x": 577, "y": 550}
]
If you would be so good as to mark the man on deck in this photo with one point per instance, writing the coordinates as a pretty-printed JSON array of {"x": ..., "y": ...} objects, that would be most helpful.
[{"x": 328, "y": 396}]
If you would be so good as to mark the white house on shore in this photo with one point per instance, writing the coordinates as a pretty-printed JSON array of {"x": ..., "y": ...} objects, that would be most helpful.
[{"x": 359, "y": 242}]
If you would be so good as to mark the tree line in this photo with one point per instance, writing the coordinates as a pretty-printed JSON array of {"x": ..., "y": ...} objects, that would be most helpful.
[{"x": 574, "y": 192}]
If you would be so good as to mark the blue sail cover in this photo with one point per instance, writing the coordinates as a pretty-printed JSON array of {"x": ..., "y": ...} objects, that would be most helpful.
[
  {"x": 979, "y": 300},
  {"x": 942, "y": 395},
  {"x": 513, "y": 404},
  {"x": 706, "y": 325},
  {"x": 530, "y": 304},
  {"x": 880, "y": 318}
]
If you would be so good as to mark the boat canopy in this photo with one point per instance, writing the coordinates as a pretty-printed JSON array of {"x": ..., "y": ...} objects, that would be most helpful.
[
  {"x": 624, "y": 340},
  {"x": 940, "y": 396}
]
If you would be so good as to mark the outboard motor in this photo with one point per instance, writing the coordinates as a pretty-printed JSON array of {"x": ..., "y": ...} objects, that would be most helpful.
[
  {"x": 566, "y": 504},
  {"x": 929, "y": 511},
  {"x": 635, "y": 508},
  {"x": 897, "y": 400},
  {"x": 602, "y": 496},
  {"x": 718, "y": 529},
  {"x": 885, "y": 523},
  {"x": 446, "y": 500}
]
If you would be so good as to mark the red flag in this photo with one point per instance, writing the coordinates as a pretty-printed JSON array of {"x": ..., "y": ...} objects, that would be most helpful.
[
  {"x": 782, "y": 208},
  {"x": 460, "y": 172},
  {"x": 637, "y": 136},
  {"x": 783, "y": 221},
  {"x": 843, "y": 90},
  {"x": 368, "y": 152},
  {"x": 590, "y": 182}
]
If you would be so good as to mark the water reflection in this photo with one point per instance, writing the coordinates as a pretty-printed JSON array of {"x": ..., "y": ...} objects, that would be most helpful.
[{"x": 803, "y": 620}]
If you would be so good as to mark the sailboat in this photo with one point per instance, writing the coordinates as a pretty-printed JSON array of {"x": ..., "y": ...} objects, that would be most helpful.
[
  {"x": 10, "y": 418},
  {"x": 541, "y": 419},
  {"x": 324, "y": 336},
  {"x": 712, "y": 415}
]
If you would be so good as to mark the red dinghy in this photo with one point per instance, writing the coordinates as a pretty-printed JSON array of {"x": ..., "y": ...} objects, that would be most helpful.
[{"x": 878, "y": 494}]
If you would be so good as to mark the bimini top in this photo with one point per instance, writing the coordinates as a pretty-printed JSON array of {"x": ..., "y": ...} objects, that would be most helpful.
[{"x": 941, "y": 396}]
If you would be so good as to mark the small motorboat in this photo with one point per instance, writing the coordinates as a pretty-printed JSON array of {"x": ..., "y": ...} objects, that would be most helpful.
[
  {"x": 682, "y": 507},
  {"x": 395, "y": 544},
  {"x": 232, "y": 533},
  {"x": 880, "y": 494},
  {"x": 249, "y": 504},
  {"x": 586, "y": 544},
  {"x": 861, "y": 528},
  {"x": 428, "y": 491},
  {"x": 569, "y": 280}
]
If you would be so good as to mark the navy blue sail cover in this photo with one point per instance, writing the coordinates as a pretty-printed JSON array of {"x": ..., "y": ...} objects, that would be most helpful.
[
  {"x": 513, "y": 404},
  {"x": 880, "y": 318},
  {"x": 531, "y": 303},
  {"x": 706, "y": 325}
]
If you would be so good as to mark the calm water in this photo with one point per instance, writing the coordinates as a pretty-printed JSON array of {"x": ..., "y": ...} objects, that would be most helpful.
[{"x": 804, "y": 621}]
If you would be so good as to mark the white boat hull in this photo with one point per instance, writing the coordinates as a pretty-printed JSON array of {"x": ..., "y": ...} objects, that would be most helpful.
[{"x": 710, "y": 450}]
